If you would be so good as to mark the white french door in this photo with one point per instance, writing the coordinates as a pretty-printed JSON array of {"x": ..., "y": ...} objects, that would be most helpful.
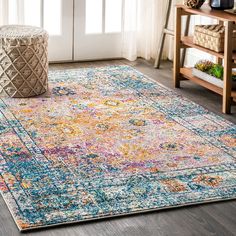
[
  {"x": 56, "y": 16},
  {"x": 78, "y": 29},
  {"x": 98, "y": 29}
]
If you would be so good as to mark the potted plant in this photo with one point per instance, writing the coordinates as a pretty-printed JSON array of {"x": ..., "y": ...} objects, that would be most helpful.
[{"x": 212, "y": 73}]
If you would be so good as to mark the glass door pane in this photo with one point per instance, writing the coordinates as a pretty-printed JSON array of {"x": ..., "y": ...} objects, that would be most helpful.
[
  {"x": 113, "y": 16},
  {"x": 58, "y": 21},
  {"x": 13, "y": 13},
  {"x": 52, "y": 16},
  {"x": 32, "y": 12},
  {"x": 98, "y": 27},
  {"x": 94, "y": 16},
  {"x": 56, "y": 16}
]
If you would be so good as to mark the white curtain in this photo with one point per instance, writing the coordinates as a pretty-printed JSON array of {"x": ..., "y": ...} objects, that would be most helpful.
[
  {"x": 143, "y": 22},
  {"x": 15, "y": 15},
  {"x": 3, "y": 11}
]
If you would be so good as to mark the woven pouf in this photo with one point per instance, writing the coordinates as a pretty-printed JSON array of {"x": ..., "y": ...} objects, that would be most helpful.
[{"x": 23, "y": 61}]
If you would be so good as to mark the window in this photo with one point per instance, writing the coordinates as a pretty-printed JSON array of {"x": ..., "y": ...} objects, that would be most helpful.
[
  {"x": 36, "y": 13},
  {"x": 103, "y": 16},
  {"x": 52, "y": 19}
]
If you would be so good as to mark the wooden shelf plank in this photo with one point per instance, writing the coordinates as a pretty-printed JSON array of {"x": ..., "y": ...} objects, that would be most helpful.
[
  {"x": 187, "y": 73},
  {"x": 188, "y": 41},
  {"x": 208, "y": 12}
]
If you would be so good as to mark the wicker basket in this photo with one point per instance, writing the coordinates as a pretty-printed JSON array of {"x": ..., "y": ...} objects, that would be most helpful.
[
  {"x": 23, "y": 60},
  {"x": 212, "y": 37}
]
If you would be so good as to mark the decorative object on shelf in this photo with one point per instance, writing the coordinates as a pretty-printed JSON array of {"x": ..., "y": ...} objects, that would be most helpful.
[
  {"x": 212, "y": 37},
  {"x": 212, "y": 73},
  {"x": 193, "y": 3},
  {"x": 221, "y": 4}
]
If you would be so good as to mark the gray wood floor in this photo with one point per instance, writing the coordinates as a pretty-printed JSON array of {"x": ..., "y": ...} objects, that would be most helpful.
[{"x": 203, "y": 220}]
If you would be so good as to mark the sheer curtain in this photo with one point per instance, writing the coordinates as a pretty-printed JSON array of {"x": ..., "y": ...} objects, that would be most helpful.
[
  {"x": 3, "y": 11},
  {"x": 20, "y": 12},
  {"x": 13, "y": 16},
  {"x": 143, "y": 21}
]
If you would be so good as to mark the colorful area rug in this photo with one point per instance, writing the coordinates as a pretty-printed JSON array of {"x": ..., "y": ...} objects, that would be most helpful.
[{"x": 107, "y": 142}]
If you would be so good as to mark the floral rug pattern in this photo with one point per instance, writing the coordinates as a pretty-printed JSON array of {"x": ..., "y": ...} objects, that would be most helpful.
[{"x": 107, "y": 142}]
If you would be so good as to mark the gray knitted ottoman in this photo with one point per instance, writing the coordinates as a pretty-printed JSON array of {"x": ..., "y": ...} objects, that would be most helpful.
[{"x": 23, "y": 61}]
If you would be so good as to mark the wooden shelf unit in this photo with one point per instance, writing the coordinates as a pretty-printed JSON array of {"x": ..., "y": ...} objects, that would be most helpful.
[{"x": 228, "y": 56}]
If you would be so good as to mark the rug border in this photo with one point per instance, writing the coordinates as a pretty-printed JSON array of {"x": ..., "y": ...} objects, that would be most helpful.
[
  {"x": 117, "y": 215},
  {"x": 135, "y": 212}
]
